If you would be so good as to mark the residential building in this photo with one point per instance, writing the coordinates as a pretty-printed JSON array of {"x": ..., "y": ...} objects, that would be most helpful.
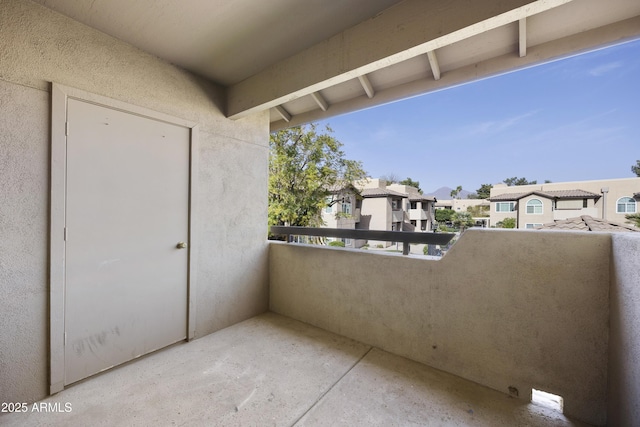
[
  {"x": 379, "y": 206},
  {"x": 109, "y": 107},
  {"x": 464, "y": 205},
  {"x": 537, "y": 204},
  {"x": 343, "y": 211}
]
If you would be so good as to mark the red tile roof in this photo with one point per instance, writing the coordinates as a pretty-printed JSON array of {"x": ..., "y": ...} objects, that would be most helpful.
[{"x": 587, "y": 223}]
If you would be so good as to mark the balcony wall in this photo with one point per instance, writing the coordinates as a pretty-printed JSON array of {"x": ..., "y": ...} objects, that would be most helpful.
[
  {"x": 531, "y": 312},
  {"x": 418, "y": 214},
  {"x": 397, "y": 215},
  {"x": 624, "y": 348}
]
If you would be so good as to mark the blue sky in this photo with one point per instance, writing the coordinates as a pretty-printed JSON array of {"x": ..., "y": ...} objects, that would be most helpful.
[{"x": 570, "y": 120}]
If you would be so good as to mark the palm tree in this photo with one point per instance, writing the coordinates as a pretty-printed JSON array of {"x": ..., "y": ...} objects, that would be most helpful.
[{"x": 454, "y": 193}]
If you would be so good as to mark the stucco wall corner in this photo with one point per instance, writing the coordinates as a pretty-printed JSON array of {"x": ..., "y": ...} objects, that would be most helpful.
[{"x": 624, "y": 343}]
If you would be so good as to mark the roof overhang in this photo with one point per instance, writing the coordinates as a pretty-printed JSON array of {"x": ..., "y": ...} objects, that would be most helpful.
[
  {"x": 307, "y": 60},
  {"x": 420, "y": 51}
]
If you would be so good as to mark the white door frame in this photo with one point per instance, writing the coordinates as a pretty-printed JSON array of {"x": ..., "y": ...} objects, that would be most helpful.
[{"x": 59, "y": 96}]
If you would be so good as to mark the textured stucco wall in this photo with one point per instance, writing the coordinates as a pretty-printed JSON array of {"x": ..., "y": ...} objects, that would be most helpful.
[
  {"x": 37, "y": 47},
  {"x": 624, "y": 343},
  {"x": 379, "y": 211},
  {"x": 24, "y": 209},
  {"x": 503, "y": 308},
  {"x": 545, "y": 217}
]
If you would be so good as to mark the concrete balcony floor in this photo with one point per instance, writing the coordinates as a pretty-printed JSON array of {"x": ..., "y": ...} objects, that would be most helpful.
[{"x": 272, "y": 370}]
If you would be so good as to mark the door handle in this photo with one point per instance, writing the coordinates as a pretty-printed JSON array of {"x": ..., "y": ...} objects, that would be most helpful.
[{"x": 181, "y": 245}]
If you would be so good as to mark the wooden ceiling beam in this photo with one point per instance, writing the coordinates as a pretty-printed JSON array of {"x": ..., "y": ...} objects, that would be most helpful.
[
  {"x": 366, "y": 85},
  {"x": 433, "y": 62},
  {"x": 322, "y": 103},
  {"x": 409, "y": 29}
]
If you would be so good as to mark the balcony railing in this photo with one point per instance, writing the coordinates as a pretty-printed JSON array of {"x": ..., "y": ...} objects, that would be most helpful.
[{"x": 404, "y": 237}]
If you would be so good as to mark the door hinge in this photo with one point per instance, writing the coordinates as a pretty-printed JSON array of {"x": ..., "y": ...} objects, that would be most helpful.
[
  {"x": 66, "y": 128},
  {"x": 65, "y": 234}
]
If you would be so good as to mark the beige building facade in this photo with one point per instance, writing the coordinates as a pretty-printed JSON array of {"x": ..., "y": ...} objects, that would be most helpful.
[
  {"x": 379, "y": 206},
  {"x": 534, "y": 205}
]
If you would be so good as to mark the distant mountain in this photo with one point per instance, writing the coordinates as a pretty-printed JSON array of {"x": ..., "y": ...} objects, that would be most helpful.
[{"x": 444, "y": 193}]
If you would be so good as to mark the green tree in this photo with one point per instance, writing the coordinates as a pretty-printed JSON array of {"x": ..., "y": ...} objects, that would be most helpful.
[
  {"x": 507, "y": 223},
  {"x": 484, "y": 191},
  {"x": 411, "y": 183},
  {"x": 462, "y": 220},
  {"x": 518, "y": 181},
  {"x": 478, "y": 211},
  {"x": 443, "y": 215},
  {"x": 633, "y": 219},
  {"x": 454, "y": 193},
  {"x": 636, "y": 168},
  {"x": 304, "y": 165},
  {"x": 391, "y": 178}
]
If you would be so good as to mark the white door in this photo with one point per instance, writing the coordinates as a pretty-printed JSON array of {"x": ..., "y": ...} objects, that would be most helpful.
[{"x": 127, "y": 210}]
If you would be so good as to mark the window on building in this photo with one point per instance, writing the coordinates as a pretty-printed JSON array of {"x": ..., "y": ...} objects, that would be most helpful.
[
  {"x": 414, "y": 205},
  {"x": 423, "y": 224},
  {"x": 585, "y": 203},
  {"x": 532, "y": 225},
  {"x": 626, "y": 205},
  {"x": 346, "y": 207},
  {"x": 329, "y": 208},
  {"x": 505, "y": 206},
  {"x": 534, "y": 206},
  {"x": 396, "y": 204},
  {"x": 414, "y": 222}
]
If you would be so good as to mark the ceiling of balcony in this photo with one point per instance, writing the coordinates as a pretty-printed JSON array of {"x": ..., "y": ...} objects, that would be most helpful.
[{"x": 305, "y": 60}]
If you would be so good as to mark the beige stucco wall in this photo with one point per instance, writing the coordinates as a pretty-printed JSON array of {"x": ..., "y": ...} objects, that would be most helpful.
[
  {"x": 461, "y": 205},
  {"x": 379, "y": 209},
  {"x": 543, "y": 218},
  {"x": 533, "y": 314},
  {"x": 624, "y": 343},
  {"x": 496, "y": 217},
  {"x": 38, "y": 47}
]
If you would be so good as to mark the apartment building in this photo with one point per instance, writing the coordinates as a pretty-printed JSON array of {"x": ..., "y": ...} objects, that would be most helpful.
[
  {"x": 379, "y": 206},
  {"x": 538, "y": 204}
]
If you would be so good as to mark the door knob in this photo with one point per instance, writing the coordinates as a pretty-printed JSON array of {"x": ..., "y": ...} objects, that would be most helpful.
[{"x": 181, "y": 245}]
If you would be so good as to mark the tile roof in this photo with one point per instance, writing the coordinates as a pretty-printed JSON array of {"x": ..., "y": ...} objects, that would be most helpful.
[
  {"x": 508, "y": 197},
  {"x": 380, "y": 192},
  {"x": 586, "y": 223},
  {"x": 556, "y": 194},
  {"x": 421, "y": 198},
  {"x": 570, "y": 194}
]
